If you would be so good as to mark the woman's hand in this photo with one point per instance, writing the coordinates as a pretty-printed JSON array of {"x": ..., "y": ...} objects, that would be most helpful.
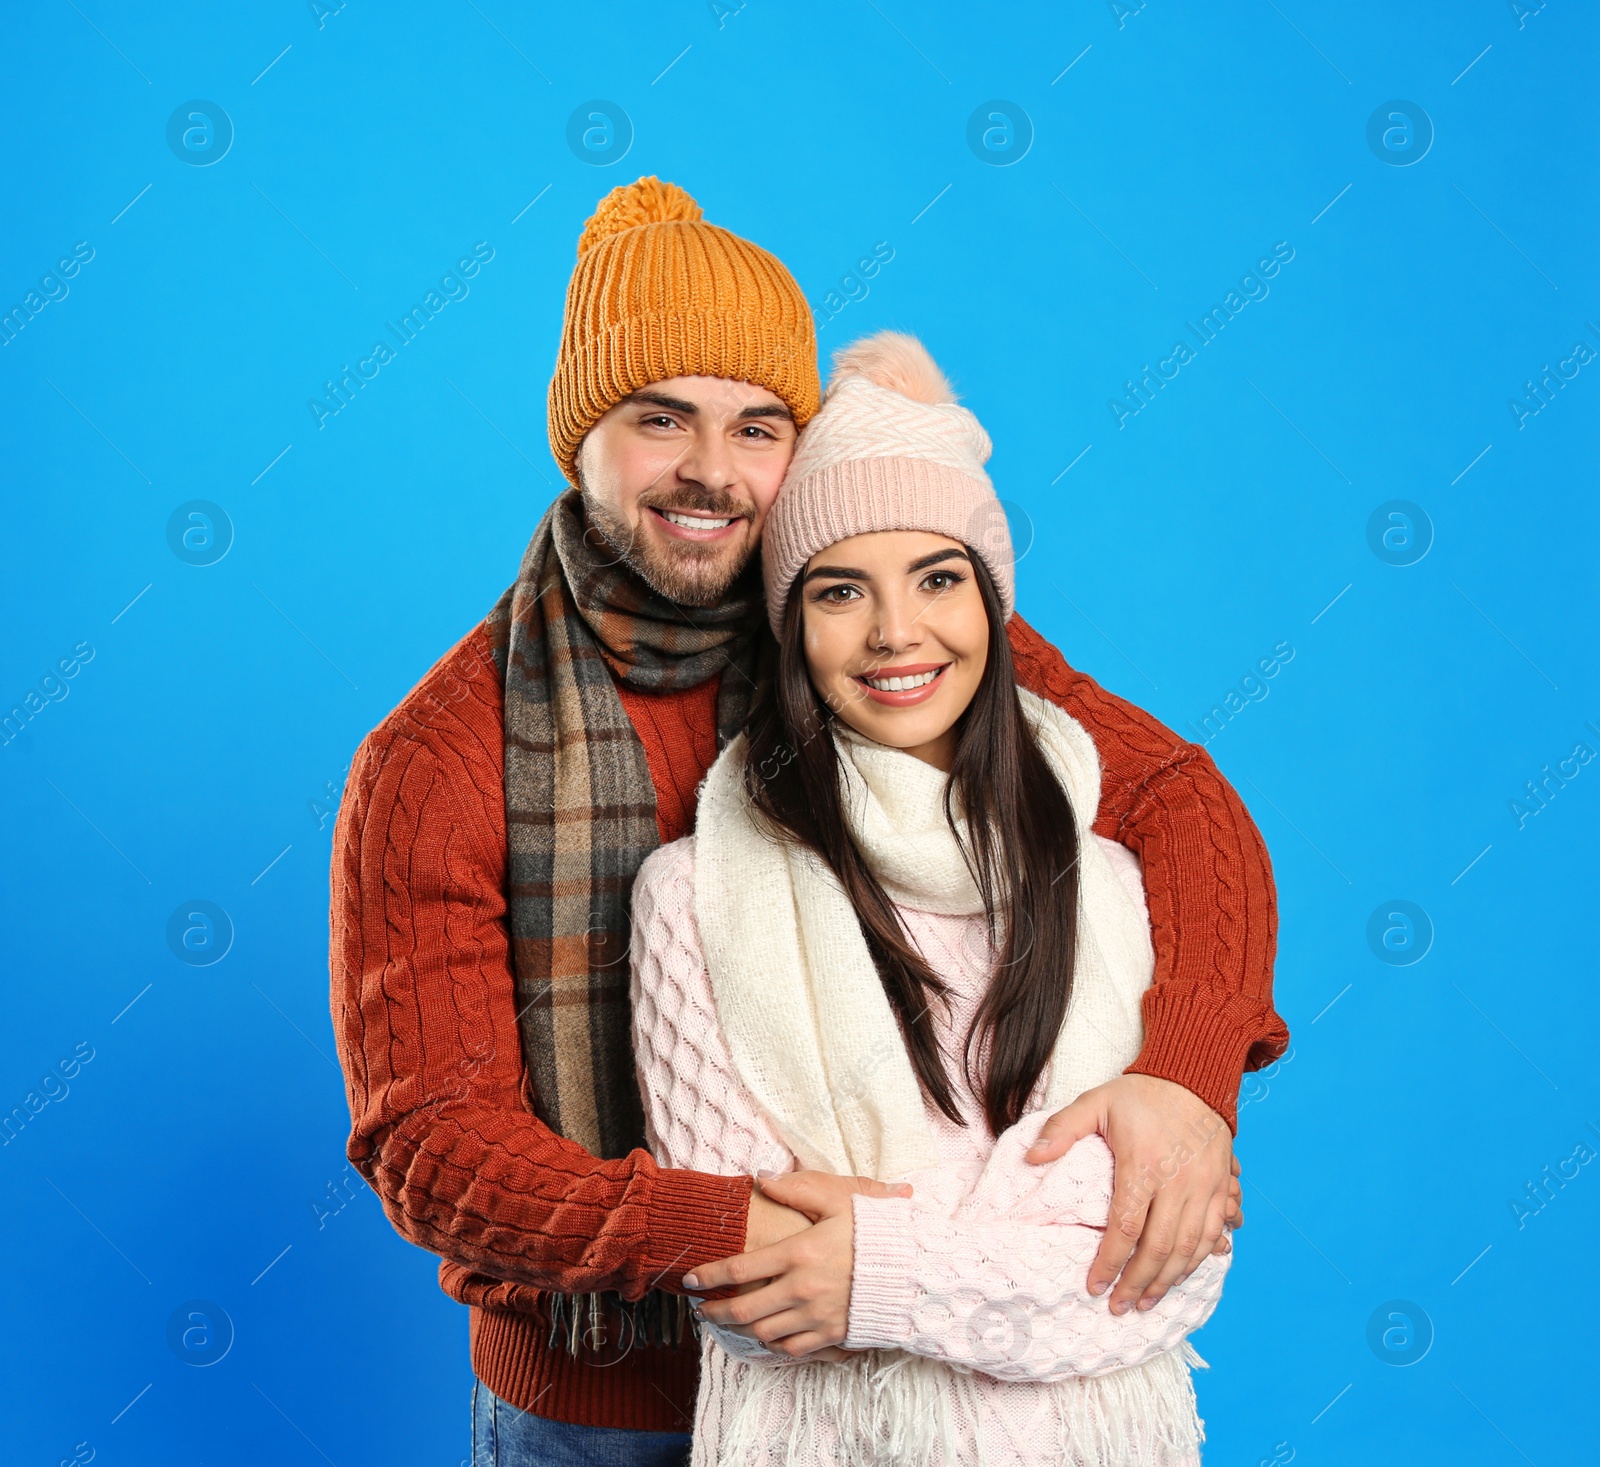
[{"x": 798, "y": 1302}]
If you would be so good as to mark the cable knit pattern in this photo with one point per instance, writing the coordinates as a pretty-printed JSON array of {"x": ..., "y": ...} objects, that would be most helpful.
[
  {"x": 425, "y": 1023},
  {"x": 1208, "y": 1016},
  {"x": 442, "y": 1126},
  {"x": 983, "y": 1269}
]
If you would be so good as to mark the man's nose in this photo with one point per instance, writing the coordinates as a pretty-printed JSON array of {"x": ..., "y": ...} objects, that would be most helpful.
[{"x": 707, "y": 460}]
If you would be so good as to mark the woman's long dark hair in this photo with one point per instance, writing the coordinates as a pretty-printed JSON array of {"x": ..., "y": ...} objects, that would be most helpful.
[{"x": 1022, "y": 850}]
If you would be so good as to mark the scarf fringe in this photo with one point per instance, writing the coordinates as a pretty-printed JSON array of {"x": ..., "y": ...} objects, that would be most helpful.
[
  {"x": 890, "y": 1409},
  {"x": 606, "y": 1324}
]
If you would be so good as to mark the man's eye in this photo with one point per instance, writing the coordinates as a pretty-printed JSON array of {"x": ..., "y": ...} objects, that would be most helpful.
[
  {"x": 661, "y": 420},
  {"x": 756, "y": 430}
]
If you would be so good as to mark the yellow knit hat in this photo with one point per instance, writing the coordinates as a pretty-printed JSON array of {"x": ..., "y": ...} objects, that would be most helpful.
[{"x": 660, "y": 293}]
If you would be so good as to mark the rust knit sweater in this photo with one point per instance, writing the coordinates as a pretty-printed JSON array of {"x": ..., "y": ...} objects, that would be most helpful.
[{"x": 442, "y": 1123}]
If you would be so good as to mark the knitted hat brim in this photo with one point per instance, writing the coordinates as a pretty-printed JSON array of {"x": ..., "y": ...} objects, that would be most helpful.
[
  {"x": 657, "y": 346},
  {"x": 867, "y": 495}
]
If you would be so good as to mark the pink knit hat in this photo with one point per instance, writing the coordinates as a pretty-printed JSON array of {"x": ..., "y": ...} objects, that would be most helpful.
[{"x": 890, "y": 449}]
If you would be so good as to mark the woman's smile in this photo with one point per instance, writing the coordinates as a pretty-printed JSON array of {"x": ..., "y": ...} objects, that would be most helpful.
[{"x": 900, "y": 687}]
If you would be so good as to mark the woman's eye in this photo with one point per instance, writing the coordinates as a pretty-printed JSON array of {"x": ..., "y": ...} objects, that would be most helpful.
[
  {"x": 837, "y": 594},
  {"x": 949, "y": 579}
]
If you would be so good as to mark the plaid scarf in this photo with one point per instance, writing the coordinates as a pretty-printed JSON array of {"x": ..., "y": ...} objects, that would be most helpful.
[
  {"x": 581, "y": 811},
  {"x": 580, "y": 802}
]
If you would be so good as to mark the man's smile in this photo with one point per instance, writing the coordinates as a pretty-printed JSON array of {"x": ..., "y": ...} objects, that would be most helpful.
[{"x": 696, "y": 525}]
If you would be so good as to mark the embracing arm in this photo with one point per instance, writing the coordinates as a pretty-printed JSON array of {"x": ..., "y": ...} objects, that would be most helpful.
[
  {"x": 1213, "y": 909},
  {"x": 425, "y": 1018}
]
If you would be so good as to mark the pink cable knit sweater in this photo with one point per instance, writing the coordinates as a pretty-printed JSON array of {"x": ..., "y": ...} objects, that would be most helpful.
[{"x": 983, "y": 1268}]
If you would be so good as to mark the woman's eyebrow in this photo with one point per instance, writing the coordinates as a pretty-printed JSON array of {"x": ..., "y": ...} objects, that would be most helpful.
[
  {"x": 844, "y": 572},
  {"x": 936, "y": 557}
]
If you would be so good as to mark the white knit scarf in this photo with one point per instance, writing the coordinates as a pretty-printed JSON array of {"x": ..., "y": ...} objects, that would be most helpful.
[
  {"x": 798, "y": 997},
  {"x": 813, "y": 1038}
]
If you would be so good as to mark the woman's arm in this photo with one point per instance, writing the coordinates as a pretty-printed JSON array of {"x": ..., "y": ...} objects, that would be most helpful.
[
  {"x": 1001, "y": 1287},
  {"x": 698, "y": 1115},
  {"x": 697, "y": 1112}
]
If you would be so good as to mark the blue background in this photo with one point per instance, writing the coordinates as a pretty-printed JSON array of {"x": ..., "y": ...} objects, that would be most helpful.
[{"x": 198, "y": 755}]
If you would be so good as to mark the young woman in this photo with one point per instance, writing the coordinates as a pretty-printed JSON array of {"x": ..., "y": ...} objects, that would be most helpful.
[{"x": 891, "y": 949}]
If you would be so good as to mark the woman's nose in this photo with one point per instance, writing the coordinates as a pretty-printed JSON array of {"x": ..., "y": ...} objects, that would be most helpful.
[{"x": 895, "y": 626}]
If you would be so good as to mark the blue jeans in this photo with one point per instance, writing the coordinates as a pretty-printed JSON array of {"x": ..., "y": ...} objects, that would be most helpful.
[{"x": 504, "y": 1436}]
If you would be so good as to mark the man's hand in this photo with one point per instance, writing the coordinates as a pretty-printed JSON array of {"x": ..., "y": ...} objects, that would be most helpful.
[
  {"x": 1175, "y": 1191},
  {"x": 769, "y": 1222},
  {"x": 794, "y": 1292}
]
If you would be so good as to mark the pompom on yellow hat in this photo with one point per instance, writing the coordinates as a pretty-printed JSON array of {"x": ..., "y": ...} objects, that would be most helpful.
[{"x": 660, "y": 293}]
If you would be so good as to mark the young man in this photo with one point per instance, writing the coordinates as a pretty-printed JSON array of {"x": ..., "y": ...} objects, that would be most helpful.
[{"x": 493, "y": 823}]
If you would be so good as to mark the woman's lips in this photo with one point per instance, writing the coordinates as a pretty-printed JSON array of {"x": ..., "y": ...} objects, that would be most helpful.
[
  {"x": 688, "y": 532},
  {"x": 904, "y": 697}
]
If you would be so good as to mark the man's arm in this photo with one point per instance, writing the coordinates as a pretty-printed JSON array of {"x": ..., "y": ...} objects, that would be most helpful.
[
  {"x": 424, "y": 1013},
  {"x": 1208, "y": 1014}
]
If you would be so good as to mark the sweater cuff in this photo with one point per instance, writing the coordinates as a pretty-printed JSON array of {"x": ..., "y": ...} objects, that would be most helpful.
[
  {"x": 1200, "y": 1038},
  {"x": 881, "y": 1287},
  {"x": 695, "y": 1218}
]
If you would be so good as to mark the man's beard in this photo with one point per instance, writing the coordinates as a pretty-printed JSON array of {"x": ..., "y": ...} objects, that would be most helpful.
[{"x": 689, "y": 574}]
